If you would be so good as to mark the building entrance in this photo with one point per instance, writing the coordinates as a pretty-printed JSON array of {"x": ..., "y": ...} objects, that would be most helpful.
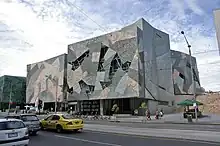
[{"x": 126, "y": 105}]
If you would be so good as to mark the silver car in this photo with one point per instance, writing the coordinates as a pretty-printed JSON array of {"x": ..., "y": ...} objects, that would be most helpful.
[
  {"x": 13, "y": 133},
  {"x": 30, "y": 120}
]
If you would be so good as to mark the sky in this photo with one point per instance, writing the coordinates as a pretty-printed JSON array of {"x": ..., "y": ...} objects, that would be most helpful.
[{"x": 35, "y": 30}]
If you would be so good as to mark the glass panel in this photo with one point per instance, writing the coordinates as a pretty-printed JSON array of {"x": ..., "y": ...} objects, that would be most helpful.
[
  {"x": 29, "y": 118},
  {"x": 11, "y": 125}
]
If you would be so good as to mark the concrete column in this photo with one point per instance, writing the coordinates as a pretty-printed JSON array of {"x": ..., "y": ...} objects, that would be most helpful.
[
  {"x": 101, "y": 106},
  {"x": 78, "y": 106}
]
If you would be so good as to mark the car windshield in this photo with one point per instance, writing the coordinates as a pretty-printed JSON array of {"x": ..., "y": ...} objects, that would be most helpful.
[
  {"x": 11, "y": 125},
  {"x": 29, "y": 118},
  {"x": 13, "y": 117},
  {"x": 67, "y": 116}
]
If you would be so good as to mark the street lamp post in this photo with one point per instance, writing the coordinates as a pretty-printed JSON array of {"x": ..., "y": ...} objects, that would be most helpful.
[
  {"x": 9, "y": 103},
  {"x": 191, "y": 69}
]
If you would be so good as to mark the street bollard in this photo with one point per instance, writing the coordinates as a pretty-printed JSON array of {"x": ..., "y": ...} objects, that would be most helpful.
[{"x": 189, "y": 118}]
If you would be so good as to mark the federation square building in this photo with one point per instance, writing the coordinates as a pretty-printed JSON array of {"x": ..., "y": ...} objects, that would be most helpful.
[{"x": 127, "y": 67}]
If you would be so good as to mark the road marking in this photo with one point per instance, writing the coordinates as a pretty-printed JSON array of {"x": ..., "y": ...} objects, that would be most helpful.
[
  {"x": 89, "y": 141},
  {"x": 158, "y": 138}
]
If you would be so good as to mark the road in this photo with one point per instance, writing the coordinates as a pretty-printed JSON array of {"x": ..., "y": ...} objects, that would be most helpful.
[
  {"x": 161, "y": 125},
  {"x": 89, "y": 138},
  {"x": 199, "y": 127},
  {"x": 157, "y": 125}
]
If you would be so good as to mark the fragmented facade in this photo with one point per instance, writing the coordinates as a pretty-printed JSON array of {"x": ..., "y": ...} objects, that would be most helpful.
[
  {"x": 129, "y": 63},
  {"x": 182, "y": 74},
  {"x": 127, "y": 67},
  {"x": 45, "y": 80}
]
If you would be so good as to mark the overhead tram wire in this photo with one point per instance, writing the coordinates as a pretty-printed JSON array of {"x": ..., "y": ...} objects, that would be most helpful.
[
  {"x": 105, "y": 30},
  {"x": 86, "y": 15}
]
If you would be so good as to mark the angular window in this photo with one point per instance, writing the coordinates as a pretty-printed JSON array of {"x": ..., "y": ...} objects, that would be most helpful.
[
  {"x": 162, "y": 87},
  {"x": 75, "y": 64},
  {"x": 70, "y": 90},
  {"x": 115, "y": 65},
  {"x": 126, "y": 66},
  {"x": 188, "y": 64},
  {"x": 182, "y": 76},
  {"x": 91, "y": 88},
  {"x": 104, "y": 49},
  {"x": 158, "y": 35},
  {"x": 105, "y": 84}
]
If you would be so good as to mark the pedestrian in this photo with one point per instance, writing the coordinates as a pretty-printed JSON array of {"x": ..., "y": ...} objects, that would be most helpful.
[
  {"x": 148, "y": 115},
  {"x": 161, "y": 113},
  {"x": 157, "y": 115}
]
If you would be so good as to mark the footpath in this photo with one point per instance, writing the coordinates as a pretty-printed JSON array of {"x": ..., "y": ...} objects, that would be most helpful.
[
  {"x": 209, "y": 136},
  {"x": 172, "y": 119},
  {"x": 210, "y": 119}
]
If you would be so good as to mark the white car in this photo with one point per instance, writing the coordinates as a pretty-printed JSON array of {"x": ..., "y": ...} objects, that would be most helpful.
[{"x": 13, "y": 132}]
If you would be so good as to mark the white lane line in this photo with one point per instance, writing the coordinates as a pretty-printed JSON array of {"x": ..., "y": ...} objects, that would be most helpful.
[
  {"x": 159, "y": 138},
  {"x": 89, "y": 141}
]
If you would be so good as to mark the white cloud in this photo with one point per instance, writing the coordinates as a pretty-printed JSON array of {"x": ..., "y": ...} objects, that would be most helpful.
[
  {"x": 194, "y": 6},
  {"x": 40, "y": 29}
]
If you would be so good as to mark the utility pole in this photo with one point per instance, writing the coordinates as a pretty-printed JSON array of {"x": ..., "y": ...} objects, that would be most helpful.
[
  {"x": 9, "y": 103},
  {"x": 191, "y": 69}
]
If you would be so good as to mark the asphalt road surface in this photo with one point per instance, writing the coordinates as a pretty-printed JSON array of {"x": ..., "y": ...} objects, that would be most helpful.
[
  {"x": 90, "y": 138},
  {"x": 198, "y": 127},
  {"x": 158, "y": 125},
  {"x": 161, "y": 125}
]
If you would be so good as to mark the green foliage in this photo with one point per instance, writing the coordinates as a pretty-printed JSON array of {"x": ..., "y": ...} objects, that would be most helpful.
[{"x": 143, "y": 105}]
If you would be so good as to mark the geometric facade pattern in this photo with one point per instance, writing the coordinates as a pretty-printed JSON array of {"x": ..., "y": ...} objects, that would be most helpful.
[
  {"x": 12, "y": 86},
  {"x": 135, "y": 61},
  {"x": 182, "y": 74},
  {"x": 217, "y": 26},
  {"x": 127, "y": 63},
  {"x": 45, "y": 80}
]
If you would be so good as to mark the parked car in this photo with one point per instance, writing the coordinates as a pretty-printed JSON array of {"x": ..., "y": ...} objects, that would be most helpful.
[
  {"x": 62, "y": 122},
  {"x": 30, "y": 120},
  {"x": 13, "y": 132}
]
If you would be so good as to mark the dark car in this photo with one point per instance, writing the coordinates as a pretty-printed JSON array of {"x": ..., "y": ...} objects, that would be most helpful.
[{"x": 30, "y": 120}]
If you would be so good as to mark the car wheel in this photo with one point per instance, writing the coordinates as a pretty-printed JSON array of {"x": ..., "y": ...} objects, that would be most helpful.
[
  {"x": 34, "y": 133},
  {"x": 76, "y": 130},
  {"x": 59, "y": 129}
]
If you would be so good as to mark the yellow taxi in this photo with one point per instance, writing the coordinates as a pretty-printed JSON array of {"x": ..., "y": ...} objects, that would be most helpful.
[{"x": 62, "y": 122}]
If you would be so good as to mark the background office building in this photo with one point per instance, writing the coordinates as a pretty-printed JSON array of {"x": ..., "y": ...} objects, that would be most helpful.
[
  {"x": 127, "y": 67},
  {"x": 217, "y": 26},
  {"x": 12, "y": 87},
  {"x": 45, "y": 81}
]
